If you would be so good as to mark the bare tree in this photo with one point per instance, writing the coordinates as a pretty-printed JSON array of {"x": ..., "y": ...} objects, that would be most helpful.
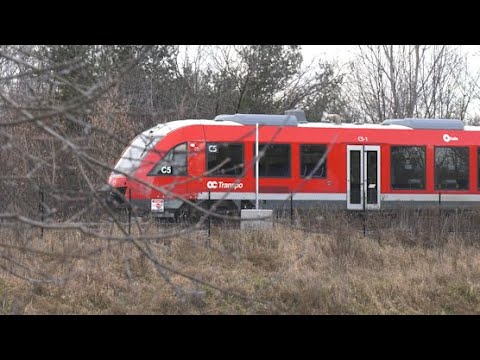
[
  {"x": 67, "y": 114},
  {"x": 401, "y": 81}
]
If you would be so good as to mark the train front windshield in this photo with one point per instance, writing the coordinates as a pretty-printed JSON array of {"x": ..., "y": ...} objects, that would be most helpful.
[{"x": 134, "y": 154}]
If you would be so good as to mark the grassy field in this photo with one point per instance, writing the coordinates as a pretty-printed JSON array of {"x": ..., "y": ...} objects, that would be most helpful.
[{"x": 400, "y": 270}]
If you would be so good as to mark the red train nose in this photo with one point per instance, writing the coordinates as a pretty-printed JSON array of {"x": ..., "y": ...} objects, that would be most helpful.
[{"x": 117, "y": 180}]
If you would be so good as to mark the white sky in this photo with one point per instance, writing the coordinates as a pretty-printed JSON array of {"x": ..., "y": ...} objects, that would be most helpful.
[
  {"x": 339, "y": 52},
  {"x": 343, "y": 53}
]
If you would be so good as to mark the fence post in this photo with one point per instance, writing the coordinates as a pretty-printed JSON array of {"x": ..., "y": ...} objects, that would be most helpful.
[
  {"x": 439, "y": 203},
  {"x": 41, "y": 208},
  {"x": 364, "y": 218},
  {"x": 209, "y": 218},
  {"x": 129, "y": 207},
  {"x": 291, "y": 209}
]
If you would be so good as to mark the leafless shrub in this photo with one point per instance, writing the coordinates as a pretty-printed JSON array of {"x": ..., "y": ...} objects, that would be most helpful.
[{"x": 66, "y": 114}]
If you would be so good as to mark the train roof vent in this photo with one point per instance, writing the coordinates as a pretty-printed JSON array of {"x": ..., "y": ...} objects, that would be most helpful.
[
  {"x": 299, "y": 114},
  {"x": 434, "y": 124},
  {"x": 291, "y": 118}
]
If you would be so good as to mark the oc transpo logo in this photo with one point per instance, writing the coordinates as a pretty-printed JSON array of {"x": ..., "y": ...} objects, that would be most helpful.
[
  {"x": 212, "y": 184},
  {"x": 223, "y": 185},
  {"x": 447, "y": 138}
]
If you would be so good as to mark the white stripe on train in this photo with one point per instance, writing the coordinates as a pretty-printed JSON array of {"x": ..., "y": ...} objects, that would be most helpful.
[{"x": 336, "y": 196}]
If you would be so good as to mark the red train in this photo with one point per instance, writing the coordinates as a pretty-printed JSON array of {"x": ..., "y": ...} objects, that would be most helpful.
[{"x": 414, "y": 162}]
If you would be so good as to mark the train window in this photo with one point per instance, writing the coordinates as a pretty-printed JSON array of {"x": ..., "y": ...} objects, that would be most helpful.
[
  {"x": 478, "y": 167},
  {"x": 312, "y": 161},
  {"x": 407, "y": 167},
  {"x": 174, "y": 163},
  {"x": 133, "y": 155},
  {"x": 451, "y": 168},
  {"x": 224, "y": 159},
  {"x": 274, "y": 160}
]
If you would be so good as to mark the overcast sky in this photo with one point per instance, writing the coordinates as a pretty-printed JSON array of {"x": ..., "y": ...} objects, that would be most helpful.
[
  {"x": 340, "y": 52},
  {"x": 345, "y": 52}
]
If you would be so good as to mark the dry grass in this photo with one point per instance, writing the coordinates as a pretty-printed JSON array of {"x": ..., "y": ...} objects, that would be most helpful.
[{"x": 403, "y": 270}]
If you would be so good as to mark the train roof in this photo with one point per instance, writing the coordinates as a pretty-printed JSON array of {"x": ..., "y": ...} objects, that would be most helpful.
[
  {"x": 428, "y": 124},
  {"x": 296, "y": 118}
]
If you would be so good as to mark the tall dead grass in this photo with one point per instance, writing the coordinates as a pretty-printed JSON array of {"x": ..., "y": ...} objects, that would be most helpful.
[{"x": 416, "y": 265}]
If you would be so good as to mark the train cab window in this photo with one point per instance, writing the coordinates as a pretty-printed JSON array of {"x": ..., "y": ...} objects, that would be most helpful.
[
  {"x": 134, "y": 154},
  {"x": 407, "y": 167},
  {"x": 313, "y": 162},
  {"x": 224, "y": 159},
  {"x": 174, "y": 163},
  {"x": 274, "y": 160},
  {"x": 451, "y": 168}
]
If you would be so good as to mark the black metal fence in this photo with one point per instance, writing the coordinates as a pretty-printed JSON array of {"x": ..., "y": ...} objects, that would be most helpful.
[{"x": 52, "y": 205}]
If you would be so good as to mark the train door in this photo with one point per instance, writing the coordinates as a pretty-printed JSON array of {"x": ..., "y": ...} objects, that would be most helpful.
[{"x": 363, "y": 177}]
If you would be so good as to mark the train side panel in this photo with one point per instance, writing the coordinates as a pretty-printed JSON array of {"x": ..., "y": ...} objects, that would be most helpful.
[{"x": 196, "y": 185}]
